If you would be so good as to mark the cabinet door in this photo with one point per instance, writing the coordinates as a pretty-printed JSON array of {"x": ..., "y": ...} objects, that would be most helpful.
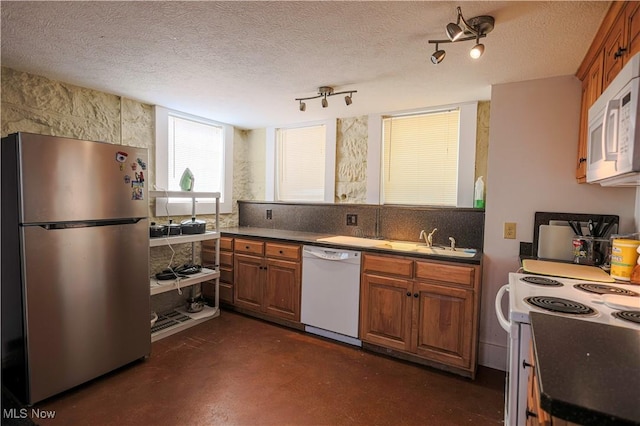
[
  {"x": 385, "y": 311},
  {"x": 614, "y": 50},
  {"x": 248, "y": 282},
  {"x": 282, "y": 289},
  {"x": 444, "y": 318},
  {"x": 632, "y": 13}
]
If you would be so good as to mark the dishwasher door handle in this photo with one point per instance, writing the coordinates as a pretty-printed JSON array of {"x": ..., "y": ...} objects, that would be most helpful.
[{"x": 328, "y": 254}]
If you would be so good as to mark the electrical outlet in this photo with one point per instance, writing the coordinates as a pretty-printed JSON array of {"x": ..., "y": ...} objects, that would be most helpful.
[
  {"x": 352, "y": 220},
  {"x": 510, "y": 230},
  {"x": 269, "y": 214}
]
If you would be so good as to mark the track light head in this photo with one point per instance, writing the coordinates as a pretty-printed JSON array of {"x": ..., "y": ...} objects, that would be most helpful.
[
  {"x": 324, "y": 102},
  {"x": 454, "y": 32},
  {"x": 477, "y": 51},
  {"x": 303, "y": 106},
  {"x": 347, "y": 99},
  {"x": 438, "y": 55}
]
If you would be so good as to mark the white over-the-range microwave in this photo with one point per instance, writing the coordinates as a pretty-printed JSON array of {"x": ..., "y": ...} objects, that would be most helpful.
[{"x": 613, "y": 143}]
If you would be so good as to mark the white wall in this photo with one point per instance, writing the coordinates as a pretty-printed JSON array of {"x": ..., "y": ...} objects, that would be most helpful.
[{"x": 532, "y": 150}]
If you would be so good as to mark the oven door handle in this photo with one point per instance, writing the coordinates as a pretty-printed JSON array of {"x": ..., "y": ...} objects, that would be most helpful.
[{"x": 504, "y": 323}]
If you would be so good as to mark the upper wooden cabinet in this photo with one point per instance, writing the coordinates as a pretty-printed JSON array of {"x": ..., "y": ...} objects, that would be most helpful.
[{"x": 617, "y": 40}]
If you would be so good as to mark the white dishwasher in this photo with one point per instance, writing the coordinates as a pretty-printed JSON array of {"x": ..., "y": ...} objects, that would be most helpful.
[{"x": 331, "y": 293}]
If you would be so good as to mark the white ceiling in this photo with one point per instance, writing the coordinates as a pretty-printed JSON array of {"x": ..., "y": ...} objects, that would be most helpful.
[{"x": 244, "y": 63}]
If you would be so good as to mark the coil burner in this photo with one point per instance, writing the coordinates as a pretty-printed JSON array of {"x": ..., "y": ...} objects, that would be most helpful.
[
  {"x": 559, "y": 305},
  {"x": 541, "y": 281},
  {"x": 605, "y": 289},
  {"x": 631, "y": 316}
]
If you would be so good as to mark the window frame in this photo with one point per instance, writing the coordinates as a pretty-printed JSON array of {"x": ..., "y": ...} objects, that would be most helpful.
[
  {"x": 329, "y": 165},
  {"x": 466, "y": 152},
  {"x": 183, "y": 207}
]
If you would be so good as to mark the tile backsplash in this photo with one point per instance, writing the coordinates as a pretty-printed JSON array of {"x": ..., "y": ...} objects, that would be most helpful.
[{"x": 389, "y": 222}]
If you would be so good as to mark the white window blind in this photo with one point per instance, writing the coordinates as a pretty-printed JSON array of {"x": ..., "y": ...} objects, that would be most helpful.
[
  {"x": 300, "y": 163},
  {"x": 421, "y": 158},
  {"x": 199, "y": 147}
]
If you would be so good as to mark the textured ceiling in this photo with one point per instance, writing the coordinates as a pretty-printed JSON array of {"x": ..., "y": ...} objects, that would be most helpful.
[{"x": 244, "y": 63}]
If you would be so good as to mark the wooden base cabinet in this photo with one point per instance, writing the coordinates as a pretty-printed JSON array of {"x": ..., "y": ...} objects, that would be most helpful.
[
  {"x": 428, "y": 309},
  {"x": 535, "y": 415},
  {"x": 267, "y": 278}
]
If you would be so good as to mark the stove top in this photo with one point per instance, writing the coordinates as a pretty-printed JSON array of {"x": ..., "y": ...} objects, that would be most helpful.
[{"x": 567, "y": 297}]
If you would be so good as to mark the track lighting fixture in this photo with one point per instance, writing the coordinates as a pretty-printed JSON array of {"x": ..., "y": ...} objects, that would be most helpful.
[
  {"x": 324, "y": 92},
  {"x": 472, "y": 29}
]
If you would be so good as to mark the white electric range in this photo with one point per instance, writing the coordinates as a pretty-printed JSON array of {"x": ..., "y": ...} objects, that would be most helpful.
[{"x": 616, "y": 304}]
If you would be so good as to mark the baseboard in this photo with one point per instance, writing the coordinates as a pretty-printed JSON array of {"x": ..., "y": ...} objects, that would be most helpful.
[{"x": 492, "y": 356}]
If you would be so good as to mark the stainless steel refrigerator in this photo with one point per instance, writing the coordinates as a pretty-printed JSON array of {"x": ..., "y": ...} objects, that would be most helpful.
[{"x": 75, "y": 256}]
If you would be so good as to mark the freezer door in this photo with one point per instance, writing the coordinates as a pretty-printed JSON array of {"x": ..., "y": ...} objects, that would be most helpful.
[
  {"x": 87, "y": 303},
  {"x": 74, "y": 180}
]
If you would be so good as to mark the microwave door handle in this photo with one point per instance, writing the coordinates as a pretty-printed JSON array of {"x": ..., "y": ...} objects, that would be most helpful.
[{"x": 610, "y": 119}]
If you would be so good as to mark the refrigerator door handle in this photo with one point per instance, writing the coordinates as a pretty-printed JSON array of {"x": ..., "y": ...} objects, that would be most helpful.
[{"x": 85, "y": 224}]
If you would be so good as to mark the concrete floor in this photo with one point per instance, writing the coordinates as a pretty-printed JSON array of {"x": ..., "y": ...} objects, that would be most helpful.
[{"x": 236, "y": 370}]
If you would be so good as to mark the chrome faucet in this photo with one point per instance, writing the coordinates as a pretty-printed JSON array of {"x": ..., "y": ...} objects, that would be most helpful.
[
  {"x": 428, "y": 238},
  {"x": 453, "y": 243}
]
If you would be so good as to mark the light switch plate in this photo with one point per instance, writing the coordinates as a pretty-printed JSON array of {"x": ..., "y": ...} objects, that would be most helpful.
[{"x": 509, "y": 230}]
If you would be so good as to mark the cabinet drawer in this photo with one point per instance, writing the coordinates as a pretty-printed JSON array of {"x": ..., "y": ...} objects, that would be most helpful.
[
  {"x": 387, "y": 265},
  {"x": 226, "y": 274},
  {"x": 226, "y": 258},
  {"x": 226, "y": 243},
  {"x": 283, "y": 251},
  {"x": 226, "y": 293},
  {"x": 249, "y": 246},
  {"x": 208, "y": 256},
  {"x": 454, "y": 274}
]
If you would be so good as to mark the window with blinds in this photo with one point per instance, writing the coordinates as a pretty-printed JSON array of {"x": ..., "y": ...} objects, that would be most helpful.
[
  {"x": 420, "y": 164},
  {"x": 300, "y": 163},
  {"x": 200, "y": 147}
]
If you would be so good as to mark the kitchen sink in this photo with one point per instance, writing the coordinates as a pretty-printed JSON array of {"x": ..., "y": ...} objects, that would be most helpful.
[
  {"x": 352, "y": 241},
  {"x": 442, "y": 251},
  {"x": 422, "y": 248},
  {"x": 405, "y": 246}
]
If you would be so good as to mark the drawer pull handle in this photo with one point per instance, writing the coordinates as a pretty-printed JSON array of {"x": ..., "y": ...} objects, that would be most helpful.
[
  {"x": 531, "y": 413},
  {"x": 246, "y": 247},
  {"x": 408, "y": 294},
  {"x": 416, "y": 295},
  {"x": 525, "y": 364},
  {"x": 281, "y": 252}
]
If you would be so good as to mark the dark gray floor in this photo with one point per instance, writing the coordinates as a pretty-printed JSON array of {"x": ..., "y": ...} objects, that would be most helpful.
[{"x": 238, "y": 370}]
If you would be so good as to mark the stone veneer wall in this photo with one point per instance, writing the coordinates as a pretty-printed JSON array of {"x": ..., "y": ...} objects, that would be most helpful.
[
  {"x": 351, "y": 160},
  {"x": 36, "y": 104}
]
